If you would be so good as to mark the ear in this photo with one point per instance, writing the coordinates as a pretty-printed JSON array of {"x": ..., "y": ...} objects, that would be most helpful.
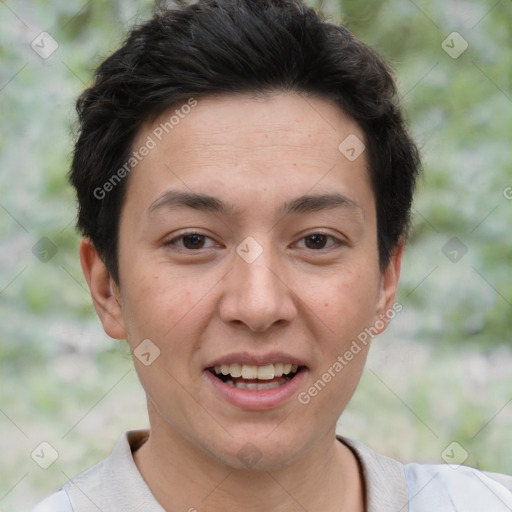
[
  {"x": 105, "y": 293},
  {"x": 386, "y": 308}
]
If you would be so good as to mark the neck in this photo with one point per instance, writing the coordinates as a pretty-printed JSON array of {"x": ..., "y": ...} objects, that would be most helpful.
[{"x": 181, "y": 477}]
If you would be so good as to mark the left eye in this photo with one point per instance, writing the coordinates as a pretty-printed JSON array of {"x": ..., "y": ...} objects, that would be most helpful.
[
  {"x": 319, "y": 241},
  {"x": 191, "y": 241}
]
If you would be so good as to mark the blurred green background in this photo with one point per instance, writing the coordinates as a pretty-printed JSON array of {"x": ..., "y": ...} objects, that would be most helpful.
[{"x": 443, "y": 370}]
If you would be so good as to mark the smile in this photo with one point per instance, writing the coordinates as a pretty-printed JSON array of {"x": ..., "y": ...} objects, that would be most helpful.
[{"x": 253, "y": 377}]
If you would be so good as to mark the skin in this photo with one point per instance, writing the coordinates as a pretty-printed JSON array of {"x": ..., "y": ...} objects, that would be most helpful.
[{"x": 299, "y": 298}]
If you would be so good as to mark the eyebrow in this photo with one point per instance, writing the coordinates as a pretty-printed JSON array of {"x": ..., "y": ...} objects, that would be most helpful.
[
  {"x": 304, "y": 204},
  {"x": 314, "y": 203},
  {"x": 203, "y": 202}
]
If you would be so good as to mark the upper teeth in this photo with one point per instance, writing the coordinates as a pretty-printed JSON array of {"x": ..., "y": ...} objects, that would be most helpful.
[{"x": 249, "y": 371}]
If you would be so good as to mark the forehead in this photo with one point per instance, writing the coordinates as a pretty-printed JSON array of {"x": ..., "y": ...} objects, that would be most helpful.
[
  {"x": 270, "y": 144},
  {"x": 279, "y": 117}
]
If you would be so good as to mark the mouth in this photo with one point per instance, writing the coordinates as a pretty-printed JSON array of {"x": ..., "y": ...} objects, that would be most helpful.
[{"x": 254, "y": 377}]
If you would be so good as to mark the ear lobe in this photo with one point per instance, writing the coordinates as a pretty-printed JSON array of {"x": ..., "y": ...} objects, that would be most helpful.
[
  {"x": 104, "y": 292},
  {"x": 388, "y": 286}
]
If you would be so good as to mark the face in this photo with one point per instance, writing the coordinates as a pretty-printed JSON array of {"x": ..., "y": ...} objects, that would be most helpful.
[{"x": 248, "y": 257}]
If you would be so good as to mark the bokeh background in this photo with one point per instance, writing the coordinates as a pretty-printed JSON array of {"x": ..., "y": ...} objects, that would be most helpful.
[{"x": 438, "y": 385}]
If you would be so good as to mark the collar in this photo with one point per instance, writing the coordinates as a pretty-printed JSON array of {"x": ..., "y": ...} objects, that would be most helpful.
[
  {"x": 115, "y": 483},
  {"x": 384, "y": 480}
]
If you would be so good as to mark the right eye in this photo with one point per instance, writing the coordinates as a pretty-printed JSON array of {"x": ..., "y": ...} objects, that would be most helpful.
[{"x": 190, "y": 241}]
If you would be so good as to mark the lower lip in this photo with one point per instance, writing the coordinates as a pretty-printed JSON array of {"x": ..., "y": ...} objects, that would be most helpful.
[{"x": 256, "y": 400}]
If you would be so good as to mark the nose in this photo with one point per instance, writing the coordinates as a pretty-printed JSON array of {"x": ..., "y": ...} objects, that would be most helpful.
[{"x": 257, "y": 294}]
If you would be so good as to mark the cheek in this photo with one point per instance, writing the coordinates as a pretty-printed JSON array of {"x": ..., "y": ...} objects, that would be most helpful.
[
  {"x": 346, "y": 303},
  {"x": 169, "y": 309},
  {"x": 344, "y": 309},
  {"x": 150, "y": 308}
]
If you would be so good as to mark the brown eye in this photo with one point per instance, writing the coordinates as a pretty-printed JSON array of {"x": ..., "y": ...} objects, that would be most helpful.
[
  {"x": 193, "y": 241},
  {"x": 316, "y": 241}
]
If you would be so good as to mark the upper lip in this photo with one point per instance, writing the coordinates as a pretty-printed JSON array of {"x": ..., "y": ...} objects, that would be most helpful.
[{"x": 256, "y": 359}]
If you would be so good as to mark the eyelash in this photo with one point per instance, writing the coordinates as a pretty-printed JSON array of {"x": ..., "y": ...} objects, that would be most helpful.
[
  {"x": 337, "y": 242},
  {"x": 182, "y": 236},
  {"x": 185, "y": 235}
]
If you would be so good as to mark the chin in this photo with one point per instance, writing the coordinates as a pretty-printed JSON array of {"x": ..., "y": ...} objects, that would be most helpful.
[{"x": 263, "y": 448}]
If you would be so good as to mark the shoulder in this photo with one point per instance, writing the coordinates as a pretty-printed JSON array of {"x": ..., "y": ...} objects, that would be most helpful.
[
  {"x": 391, "y": 485},
  {"x": 57, "y": 502},
  {"x": 101, "y": 481},
  {"x": 113, "y": 484},
  {"x": 464, "y": 488}
]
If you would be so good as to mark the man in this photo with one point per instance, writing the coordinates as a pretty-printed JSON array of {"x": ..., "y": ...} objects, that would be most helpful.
[{"x": 244, "y": 180}]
